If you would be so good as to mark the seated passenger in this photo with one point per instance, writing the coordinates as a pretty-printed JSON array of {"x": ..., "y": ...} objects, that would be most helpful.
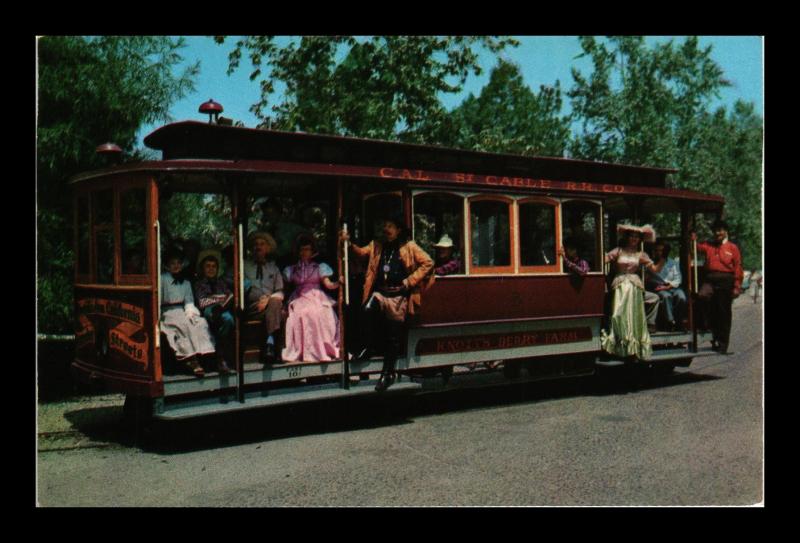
[
  {"x": 215, "y": 300},
  {"x": 665, "y": 281},
  {"x": 312, "y": 328},
  {"x": 187, "y": 332},
  {"x": 264, "y": 296},
  {"x": 446, "y": 263}
]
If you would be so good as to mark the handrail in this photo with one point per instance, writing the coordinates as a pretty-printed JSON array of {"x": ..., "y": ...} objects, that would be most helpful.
[{"x": 157, "y": 339}]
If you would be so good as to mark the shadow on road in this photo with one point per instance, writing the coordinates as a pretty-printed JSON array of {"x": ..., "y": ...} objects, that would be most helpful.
[{"x": 354, "y": 413}]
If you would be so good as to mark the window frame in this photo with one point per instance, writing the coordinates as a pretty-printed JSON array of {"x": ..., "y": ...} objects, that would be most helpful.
[
  {"x": 116, "y": 186},
  {"x": 511, "y": 268},
  {"x": 83, "y": 277},
  {"x": 557, "y": 266},
  {"x": 138, "y": 278},
  {"x": 599, "y": 243},
  {"x": 464, "y": 224}
]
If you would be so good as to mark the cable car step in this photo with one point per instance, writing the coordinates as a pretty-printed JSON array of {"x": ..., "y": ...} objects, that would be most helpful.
[
  {"x": 673, "y": 354},
  {"x": 662, "y": 354},
  {"x": 257, "y": 400}
]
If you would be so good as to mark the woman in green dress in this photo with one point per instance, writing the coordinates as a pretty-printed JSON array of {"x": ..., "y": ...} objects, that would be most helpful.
[{"x": 629, "y": 337}]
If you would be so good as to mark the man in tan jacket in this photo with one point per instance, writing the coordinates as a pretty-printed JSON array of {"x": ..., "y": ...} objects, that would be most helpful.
[{"x": 398, "y": 270}]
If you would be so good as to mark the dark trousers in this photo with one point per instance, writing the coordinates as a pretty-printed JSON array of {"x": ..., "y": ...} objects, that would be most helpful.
[
  {"x": 380, "y": 334},
  {"x": 720, "y": 306}
]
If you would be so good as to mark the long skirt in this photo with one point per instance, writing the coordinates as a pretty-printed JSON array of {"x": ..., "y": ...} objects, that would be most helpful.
[
  {"x": 312, "y": 329},
  {"x": 629, "y": 335},
  {"x": 185, "y": 338}
]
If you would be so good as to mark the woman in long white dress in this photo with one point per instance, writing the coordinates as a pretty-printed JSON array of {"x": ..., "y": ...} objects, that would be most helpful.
[
  {"x": 629, "y": 336},
  {"x": 186, "y": 330}
]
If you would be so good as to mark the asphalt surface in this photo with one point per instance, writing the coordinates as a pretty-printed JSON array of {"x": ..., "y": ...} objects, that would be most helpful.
[{"x": 691, "y": 438}]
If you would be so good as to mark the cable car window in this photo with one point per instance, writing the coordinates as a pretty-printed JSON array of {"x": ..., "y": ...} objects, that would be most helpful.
[
  {"x": 83, "y": 235},
  {"x": 103, "y": 215},
  {"x": 133, "y": 231},
  {"x": 580, "y": 225},
  {"x": 439, "y": 219},
  {"x": 490, "y": 233},
  {"x": 103, "y": 207},
  {"x": 104, "y": 239},
  {"x": 537, "y": 234}
]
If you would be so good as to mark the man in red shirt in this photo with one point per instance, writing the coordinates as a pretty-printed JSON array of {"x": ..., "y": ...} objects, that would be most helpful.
[{"x": 724, "y": 274}]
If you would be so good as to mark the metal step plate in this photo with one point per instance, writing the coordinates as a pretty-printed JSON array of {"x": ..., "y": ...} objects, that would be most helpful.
[{"x": 257, "y": 400}]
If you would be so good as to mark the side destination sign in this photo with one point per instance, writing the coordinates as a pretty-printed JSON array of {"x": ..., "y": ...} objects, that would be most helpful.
[
  {"x": 500, "y": 181},
  {"x": 490, "y": 342}
]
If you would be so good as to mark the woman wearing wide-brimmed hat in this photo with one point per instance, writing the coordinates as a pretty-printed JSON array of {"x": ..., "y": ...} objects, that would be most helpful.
[{"x": 629, "y": 336}]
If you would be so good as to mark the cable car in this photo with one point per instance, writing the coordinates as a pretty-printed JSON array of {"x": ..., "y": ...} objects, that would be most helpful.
[{"x": 511, "y": 306}]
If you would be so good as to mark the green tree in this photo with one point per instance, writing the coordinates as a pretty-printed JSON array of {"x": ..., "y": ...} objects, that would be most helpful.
[
  {"x": 652, "y": 106},
  {"x": 90, "y": 91},
  {"x": 380, "y": 87},
  {"x": 639, "y": 104},
  {"x": 726, "y": 158},
  {"x": 508, "y": 117}
]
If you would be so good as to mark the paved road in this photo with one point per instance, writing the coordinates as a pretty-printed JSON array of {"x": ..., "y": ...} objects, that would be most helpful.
[{"x": 693, "y": 438}]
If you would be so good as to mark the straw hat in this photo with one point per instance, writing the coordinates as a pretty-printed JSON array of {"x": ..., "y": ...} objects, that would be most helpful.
[
  {"x": 647, "y": 231},
  {"x": 445, "y": 242},
  {"x": 266, "y": 237},
  {"x": 206, "y": 253}
]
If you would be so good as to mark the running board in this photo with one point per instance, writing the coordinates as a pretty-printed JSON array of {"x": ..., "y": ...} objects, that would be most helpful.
[
  {"x": 660, "y": 355},
  {"x": 272, "y": 398}
]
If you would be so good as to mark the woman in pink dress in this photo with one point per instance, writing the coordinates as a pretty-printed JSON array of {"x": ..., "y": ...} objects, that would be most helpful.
[{"x": 312, "y": 328}]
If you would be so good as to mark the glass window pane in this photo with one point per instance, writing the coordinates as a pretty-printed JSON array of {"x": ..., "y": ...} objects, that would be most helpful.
[
  {"x": 437, "y": 216},
  {"x": 83, "y": 235},
  {"x": 580, "y": 228},
  {"x": 133, "y": 231},
  {"x": 491, "y": 239},
  {"x": 105, "y": 255},
  {"x": 103, "y": 207},
  {"x": 537, "y": 234}
]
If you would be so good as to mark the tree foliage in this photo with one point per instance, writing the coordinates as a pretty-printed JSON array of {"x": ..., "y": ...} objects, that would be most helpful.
[
  {"x": 385, "y": 87},
  {"x": 90, "y": 91},
  {"x": 652, "y": 106},
  {"x": 508, "y": 117}
]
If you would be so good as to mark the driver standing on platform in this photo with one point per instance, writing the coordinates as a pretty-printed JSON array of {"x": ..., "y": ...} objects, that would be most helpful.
[{"x": 397, "y": 272}]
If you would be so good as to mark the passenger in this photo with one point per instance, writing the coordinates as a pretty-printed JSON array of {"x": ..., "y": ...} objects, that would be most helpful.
[
  {"x": 446, "y": 263},
  {"x": 312, "y": 328},
  {"x": 724, "y": 276},
  {"x": 187, "y": 332},
  {"x": 397, "y": 272},
  {"x": 665, "y": 281},
  {"x": 265, "y": 295},
  {"x": 576, "y": 266},
  {"x": 630, "y": 327},
  {"x": 215, "y": 300}
]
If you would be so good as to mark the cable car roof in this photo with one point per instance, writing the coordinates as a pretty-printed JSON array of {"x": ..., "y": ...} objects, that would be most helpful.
[{"x": 192, "y": 139}]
